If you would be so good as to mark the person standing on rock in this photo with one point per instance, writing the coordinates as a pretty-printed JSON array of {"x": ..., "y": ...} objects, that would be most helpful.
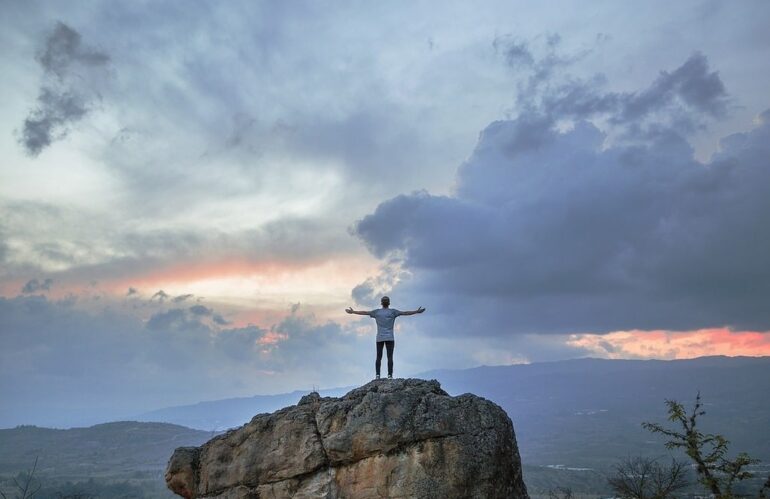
[{"x": 385, "y": 318}]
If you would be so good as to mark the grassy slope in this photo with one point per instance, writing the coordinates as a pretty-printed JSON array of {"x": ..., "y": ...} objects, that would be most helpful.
[{"x": 132, "y": 456}]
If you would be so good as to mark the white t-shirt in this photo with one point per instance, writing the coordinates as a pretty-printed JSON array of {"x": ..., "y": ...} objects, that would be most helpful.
[{"x": 385, "y": 318}]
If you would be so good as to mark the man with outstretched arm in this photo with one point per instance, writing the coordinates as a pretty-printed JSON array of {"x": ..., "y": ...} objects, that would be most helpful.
[{"x": 385, "y": 318}]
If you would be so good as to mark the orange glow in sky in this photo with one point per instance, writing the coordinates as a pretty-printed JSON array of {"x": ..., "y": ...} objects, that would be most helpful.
[
  {"x": 674, "y": 344},
  {"x": 244, "y": 291}
]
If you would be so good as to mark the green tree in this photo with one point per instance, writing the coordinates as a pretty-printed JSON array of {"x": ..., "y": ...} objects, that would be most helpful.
[{"x": 708, "y": 451}]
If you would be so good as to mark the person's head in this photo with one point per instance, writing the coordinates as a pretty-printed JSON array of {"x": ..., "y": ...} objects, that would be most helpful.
[{"x": 385, "y": 301}]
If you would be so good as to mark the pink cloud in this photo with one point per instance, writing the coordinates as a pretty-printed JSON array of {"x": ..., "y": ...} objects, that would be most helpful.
[
  {"x": 674, "y": 344},
  {"x": 271, "y": 338}
]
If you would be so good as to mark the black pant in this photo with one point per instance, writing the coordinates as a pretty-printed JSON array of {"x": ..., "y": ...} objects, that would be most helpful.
[{"x": 390, "y": 344}]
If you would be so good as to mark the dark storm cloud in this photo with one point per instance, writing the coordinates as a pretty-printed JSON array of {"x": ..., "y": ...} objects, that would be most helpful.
[
  {"x": 681, "y": 98},
  {"x": 557, "y": 232},
  {"x": 63, "y": 48},
  {"x": 33, "y": 286},
  {"x": 689, "y": 93},
  {"x": 66, "y": 93},
  {"x": 48, "y": 122},
  {"x": 693, "y": 83}
]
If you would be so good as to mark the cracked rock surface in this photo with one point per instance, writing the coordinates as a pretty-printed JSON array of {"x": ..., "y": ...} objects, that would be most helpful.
[{"x": 400, "y": 438}]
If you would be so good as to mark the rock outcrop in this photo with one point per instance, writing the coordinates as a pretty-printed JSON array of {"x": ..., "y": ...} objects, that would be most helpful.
[{"x": 401, "y": 438}]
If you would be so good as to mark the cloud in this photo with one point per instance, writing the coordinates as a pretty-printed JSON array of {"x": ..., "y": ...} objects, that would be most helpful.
[
  {"x": 105, "y": 363},
  {"x": 33, "y": 286},
  {"x": 674, "y": 345},
  {"x": 54, "y": 240},
  {"x": 178, "y": 320},
  {"x": 219, "y": 320},
  {"x": 63, "y": 49},
  {"x": 70, "y": 70},
  {"x": 561, "y": 230},
  {"x": 51, "y": 349},
  {"x": 517, "y": 54},
  {"x": 181, "y": 298},
  {"x": 539, "y": 60},
  {"x": 373, "y": 288},
  {"x": 693, "y": 83},
  {"x": 201, "y": 310},
  {"x": 300, "y": 341},
  {"x": 239, "y": 141},
  {"x": 681, "y": 99},
  {"x": 3, "y": 246}
]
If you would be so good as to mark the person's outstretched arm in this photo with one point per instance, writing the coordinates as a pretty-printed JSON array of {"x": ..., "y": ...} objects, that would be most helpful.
[
  {"x": 357, "y": 312},
  {"x": 412, "y": 312}
]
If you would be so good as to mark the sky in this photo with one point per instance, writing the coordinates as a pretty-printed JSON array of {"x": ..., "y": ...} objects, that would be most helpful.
[{"x": 192, "y": 193}]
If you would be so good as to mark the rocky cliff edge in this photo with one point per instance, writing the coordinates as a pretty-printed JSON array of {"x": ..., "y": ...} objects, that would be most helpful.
[{"x": 400, "y": 438}]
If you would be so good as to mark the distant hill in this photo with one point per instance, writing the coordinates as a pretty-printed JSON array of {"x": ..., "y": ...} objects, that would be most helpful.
[
  {"x": 230, "y": 413},
  {"x": 573, "y": 420},
  {"x": 587, "y": 412},
  {"x": 101, "y": 450},
  {"x": 581, "y": 413}
]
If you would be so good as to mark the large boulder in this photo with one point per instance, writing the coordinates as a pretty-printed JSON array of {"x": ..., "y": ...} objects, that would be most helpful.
[{"x": 400, "y": 438}]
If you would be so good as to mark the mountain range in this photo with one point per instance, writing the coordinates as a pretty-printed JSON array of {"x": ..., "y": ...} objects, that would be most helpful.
[
  {"x": 572, "y": 412},
  {"x": 573, "y": 419}
]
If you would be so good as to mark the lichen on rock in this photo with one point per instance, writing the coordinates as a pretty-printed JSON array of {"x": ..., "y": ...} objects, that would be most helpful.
[{"x": 401, "y": 438}]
